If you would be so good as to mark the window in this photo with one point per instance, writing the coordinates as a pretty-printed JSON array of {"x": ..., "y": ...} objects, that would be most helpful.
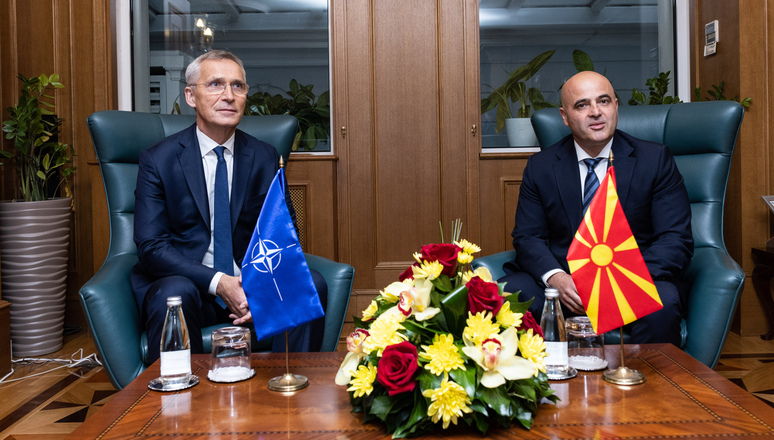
[
  {"x": 282, "y": 43},
  {"x": 627, "y": 40}
]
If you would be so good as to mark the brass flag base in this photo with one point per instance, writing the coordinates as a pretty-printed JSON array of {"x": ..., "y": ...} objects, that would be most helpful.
[
  {"x": 288, "y": 382},
  {"x": 623, "y": 375}
]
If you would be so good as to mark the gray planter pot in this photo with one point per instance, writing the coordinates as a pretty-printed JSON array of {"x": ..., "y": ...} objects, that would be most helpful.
[
  {"x": 34, "y": 239},
  {"x": 520, "y": 133}
]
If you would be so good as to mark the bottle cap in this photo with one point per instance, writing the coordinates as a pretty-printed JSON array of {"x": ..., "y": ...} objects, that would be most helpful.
[
  {"x": 552, "y": 292},
  {"x": 174, "y": 301}
]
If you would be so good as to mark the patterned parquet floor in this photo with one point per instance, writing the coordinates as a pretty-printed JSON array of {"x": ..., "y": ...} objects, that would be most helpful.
[{"x": 51, "y": 405}]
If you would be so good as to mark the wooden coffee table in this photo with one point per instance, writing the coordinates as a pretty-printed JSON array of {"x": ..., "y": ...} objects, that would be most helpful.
[{"x": 681, "y": 398}]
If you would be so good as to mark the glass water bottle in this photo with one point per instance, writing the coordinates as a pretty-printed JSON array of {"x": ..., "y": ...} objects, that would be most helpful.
[
  {"x": 555, "y": 336},
  {"x": 175, "y": 347}
]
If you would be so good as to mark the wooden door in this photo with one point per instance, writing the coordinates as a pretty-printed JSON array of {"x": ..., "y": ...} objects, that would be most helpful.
[{"x": 405, "y": 101}]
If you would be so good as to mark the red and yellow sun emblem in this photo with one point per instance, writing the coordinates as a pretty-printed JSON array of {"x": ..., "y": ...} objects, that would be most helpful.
[{"x": 607, "y": 266}]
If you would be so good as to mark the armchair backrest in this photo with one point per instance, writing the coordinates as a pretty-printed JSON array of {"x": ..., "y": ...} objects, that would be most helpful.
[
  {"x": 120, "y": 136},
  {"x": 701, "y": 137}
]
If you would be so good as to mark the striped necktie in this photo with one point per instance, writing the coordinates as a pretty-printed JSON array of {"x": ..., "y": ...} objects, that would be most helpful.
[{"x": 592, "y": 182}]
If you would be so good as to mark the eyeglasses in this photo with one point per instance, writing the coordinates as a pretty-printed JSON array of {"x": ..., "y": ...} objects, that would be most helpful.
[{"x": 218, "y": 87}]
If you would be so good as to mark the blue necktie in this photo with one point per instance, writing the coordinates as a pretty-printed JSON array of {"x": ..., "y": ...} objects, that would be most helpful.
[
  {"x": 592, "y": 182},
  {"x": 224, "y": 255}
]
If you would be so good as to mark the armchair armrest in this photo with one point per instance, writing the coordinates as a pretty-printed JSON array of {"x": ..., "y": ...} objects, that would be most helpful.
[
  {"x": 339, "y": 277},
  {"x": 114, "y": 320},
  {"x": 494, "y": 263},
  {"x": 716, "y": 282}
]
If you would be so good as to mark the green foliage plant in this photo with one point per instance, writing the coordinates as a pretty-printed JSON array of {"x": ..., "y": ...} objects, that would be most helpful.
[
  {"x": 514, "y": 90},
  {"x": 582, "y": 61},
  {"x": 718, "y": 94},
  {"x": 38, "y": 158},
  {"x": 658, "y": 87},
  {"x": 313, "y": 112}
]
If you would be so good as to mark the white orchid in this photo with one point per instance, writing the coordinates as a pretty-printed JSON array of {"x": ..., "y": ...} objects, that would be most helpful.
[
  {"x": 416, "y": 300},
  {"x": 497, "y": 356},
  {"x": 354, "y": 356}
]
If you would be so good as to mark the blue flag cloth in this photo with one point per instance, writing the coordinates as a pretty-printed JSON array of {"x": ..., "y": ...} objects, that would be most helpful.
[{"x": 275, "y": 276}]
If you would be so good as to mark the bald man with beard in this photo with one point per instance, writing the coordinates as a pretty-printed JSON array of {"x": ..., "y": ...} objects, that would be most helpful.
[{"x": 550, "y": 208}]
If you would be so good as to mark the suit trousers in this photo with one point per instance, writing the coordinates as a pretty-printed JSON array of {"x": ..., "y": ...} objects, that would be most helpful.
[
  {"x": 660, "y": 326},
  {"x": 200, "y": 310}
]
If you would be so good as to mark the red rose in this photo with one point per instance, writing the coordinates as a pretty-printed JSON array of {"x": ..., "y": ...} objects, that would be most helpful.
[
  {"x": 407, "y": 274},
  {"x": 528, "y": 322},
  {"x": 483, "y": 296},
  {"x": 444, "y": 253},
  {"x": 397, "y": 367}
]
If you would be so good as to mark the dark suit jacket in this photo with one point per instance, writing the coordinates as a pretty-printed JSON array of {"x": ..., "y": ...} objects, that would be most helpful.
[
  {"x": 172, "y": 220},
  {"x": 651, "y": 191}
]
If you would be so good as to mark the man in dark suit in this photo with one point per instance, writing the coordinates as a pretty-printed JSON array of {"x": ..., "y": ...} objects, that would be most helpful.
[
  {"x": 180, "y": 249},
  {"x": 551, "y": 207}
]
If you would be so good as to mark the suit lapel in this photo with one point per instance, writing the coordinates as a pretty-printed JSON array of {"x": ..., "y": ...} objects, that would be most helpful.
[
  {"x": 624, "y": 162},
  {"x": 190, "y": 158},
  {"x": 567, "y": 175},
  {"x": 244, "y": 157}
]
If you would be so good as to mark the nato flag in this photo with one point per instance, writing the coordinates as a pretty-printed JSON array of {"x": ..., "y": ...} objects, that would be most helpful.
[{"x": 275, "y": 276}]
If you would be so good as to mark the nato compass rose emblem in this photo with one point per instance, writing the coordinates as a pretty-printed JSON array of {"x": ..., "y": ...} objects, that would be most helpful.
[{"x": 266, "y": 257}]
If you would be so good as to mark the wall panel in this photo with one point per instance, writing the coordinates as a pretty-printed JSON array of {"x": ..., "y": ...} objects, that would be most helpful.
[
  {"x": 406, "y": 84},
  {"x": 71, "y": 38}
]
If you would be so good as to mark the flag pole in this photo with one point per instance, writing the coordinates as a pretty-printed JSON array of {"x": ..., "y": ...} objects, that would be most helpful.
[
  {"x": 287, "y": 382},
  {"x": 622, "y": 375}
]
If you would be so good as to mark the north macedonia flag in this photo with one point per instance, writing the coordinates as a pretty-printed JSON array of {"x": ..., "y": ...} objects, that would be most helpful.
[{"x": 607, "y": 266}]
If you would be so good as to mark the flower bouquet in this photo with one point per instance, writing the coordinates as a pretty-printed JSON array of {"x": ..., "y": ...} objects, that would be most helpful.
[{"x": 445, "y": 343}]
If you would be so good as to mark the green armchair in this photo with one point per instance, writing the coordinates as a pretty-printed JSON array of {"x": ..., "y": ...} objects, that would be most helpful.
[
  {"x": 701, "y": 136},
  {"x": 107, "y": 298}
]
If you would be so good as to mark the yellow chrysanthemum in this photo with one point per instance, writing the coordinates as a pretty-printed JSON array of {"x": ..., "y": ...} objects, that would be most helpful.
[
  {"x": 506, "y": 318},
  {"x": 428, "y": 269},
  {"x": 533, "y": 347},
  {"x": 467, "y": 247},
  {"x": 363, "y": 380},
  {"x": 384, "y": 332},
  {"x": 442, "y": 354},
  {"x": 479, "y": 328},
  {"x": 370, "y": 311},
  {"x": 464, "y": 258},
  {"x": 448, "y": 402},
  {"x": 481, "y": 272}
]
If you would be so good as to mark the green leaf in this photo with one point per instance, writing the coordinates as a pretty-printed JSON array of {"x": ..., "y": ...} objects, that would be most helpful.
[
  {"x": 496, "y": 399},
  {"x": 455, "y": 309},
  {"x": 582, "y": 61},
  {"x": 466, "y": 378},
  {"x": 443, "y": 283},
  {"x": 418, "y": 414}
]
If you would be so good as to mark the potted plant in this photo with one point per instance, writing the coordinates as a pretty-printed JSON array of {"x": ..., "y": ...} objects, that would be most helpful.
[
  {"x": 658, "y": 87},
  {"x": 718, "y": 94},
  {"x": 313, "y": 112},
  {"x": 35, "y": 227},
  {"x": 514, "y": 90}
]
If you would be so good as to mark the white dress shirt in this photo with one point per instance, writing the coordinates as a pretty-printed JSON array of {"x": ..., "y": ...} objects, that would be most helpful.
[
  {"x": 210, "y": 164},
  {"x": 600, "y": 170}
]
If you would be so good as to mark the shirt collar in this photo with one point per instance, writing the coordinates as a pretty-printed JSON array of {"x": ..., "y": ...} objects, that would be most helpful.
[
  {"x": 206, "y": 144},
  {"x": 581, "y": 154}
]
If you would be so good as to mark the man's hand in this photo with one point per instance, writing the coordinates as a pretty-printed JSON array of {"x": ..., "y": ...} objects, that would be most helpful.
[
  {"x": 568, "y": 294},
  {"x": 230, "y": 289}
]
